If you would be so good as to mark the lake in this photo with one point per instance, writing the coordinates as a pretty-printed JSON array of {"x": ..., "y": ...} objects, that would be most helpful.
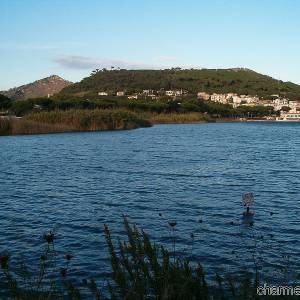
[{"x": 194, "y": 174}]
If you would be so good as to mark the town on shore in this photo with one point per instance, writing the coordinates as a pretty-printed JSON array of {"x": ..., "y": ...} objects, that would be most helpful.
[{"x": 287, "y": 109}]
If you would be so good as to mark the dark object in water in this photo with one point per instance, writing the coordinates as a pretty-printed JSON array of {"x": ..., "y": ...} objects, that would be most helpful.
[
  {"x": 172, "y": 223},
  {"x": 248, "y": 218},
  {"x": 248, "y": 214}
]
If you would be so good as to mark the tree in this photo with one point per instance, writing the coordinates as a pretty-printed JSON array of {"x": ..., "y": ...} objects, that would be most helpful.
[
  {"x": 5, "y": 102},
  {"x": 285, "y": 108}
]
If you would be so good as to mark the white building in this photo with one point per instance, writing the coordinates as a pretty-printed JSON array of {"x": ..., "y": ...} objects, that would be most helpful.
[
  {"x": 279, "y": 103},
  {"x": 230, "y": 95},
  {"x": 148, "y": 92},
  {"x": 132, "y": 97},
  {"x": 120, "y": 93},
  {"x": 203, "y": 95},
  {"x": 102, "y": 94},
  {"x": 221, "y": 98},
  {"x": 250, "y": 99},
  {"x": 172, "y": 93},
  {"x": 289, "y": 116},
  {"x": 294, "y": 105},
  {"x": 237, "y": 100}
]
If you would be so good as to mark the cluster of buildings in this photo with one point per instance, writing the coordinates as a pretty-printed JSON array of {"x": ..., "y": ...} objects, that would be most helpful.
[
  {"x": 230, "y": 98},
  {"x": 286, "y": 107},
  {"x": 236, "y": 100},
  {"x": 148, "y": 94}
]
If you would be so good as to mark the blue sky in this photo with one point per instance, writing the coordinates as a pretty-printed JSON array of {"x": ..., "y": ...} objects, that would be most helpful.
[{"x": 72, "y": 37}]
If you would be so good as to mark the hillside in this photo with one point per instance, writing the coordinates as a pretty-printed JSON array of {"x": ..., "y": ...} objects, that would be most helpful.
[
  {"x": 39, "y": 88},
  {"x": 241, "y": 81}
]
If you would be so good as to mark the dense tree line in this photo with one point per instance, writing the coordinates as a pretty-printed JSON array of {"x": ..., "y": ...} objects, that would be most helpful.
[
  {"x": 5, "y": 102},
  {"x": 183, "y": 105}
]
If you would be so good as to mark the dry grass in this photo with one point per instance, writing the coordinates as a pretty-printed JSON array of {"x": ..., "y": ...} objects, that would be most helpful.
[
  {"x": 164, "y": 118},
  {"x": 23, "y": 126},
  {"x": 72, "y": 120},
  {"x": 5, "y": 126}
]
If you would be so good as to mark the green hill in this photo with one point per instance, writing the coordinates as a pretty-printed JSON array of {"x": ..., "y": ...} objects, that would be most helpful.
[{"x": 240, "y": 81}]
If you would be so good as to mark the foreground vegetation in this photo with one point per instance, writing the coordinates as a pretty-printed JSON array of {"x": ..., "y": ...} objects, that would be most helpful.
[
  {"x": 71, "y": 120},
  {"x": 140, "y": 269}
]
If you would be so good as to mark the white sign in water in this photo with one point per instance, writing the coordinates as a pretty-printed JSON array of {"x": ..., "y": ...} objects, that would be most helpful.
[{"x": 248, "y": 199}]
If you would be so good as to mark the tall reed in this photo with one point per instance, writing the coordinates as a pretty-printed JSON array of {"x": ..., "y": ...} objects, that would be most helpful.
[
  {"x": 72, "y": 120},
  {"x": 5, "y": 126},
  {"x": 177, "y": 118}
]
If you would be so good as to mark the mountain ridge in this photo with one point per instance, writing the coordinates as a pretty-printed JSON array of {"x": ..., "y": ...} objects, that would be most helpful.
[{"x": 39, "y": 88}]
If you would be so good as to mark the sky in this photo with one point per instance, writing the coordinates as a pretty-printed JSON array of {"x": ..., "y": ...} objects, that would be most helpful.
[{"x": 70, "y": 38}]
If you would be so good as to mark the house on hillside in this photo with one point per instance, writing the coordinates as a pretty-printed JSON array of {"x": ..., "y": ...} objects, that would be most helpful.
[
  {"x": 221, "y": 98},
  {"x": 132, "y": 97},
  {"x": 102, "y": 94},
  {"x": 172, "y": 93},
  {"x": 294, "y": 105},
  {"x": 279, "y": 103},
  {"x": 203, "y": 96},
  {"x": 120, "y": 93},
  {"x": 148, "y": 92}
]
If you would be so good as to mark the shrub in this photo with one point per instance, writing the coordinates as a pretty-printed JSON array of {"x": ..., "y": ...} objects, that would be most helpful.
[{"x": 140, "y": 269}]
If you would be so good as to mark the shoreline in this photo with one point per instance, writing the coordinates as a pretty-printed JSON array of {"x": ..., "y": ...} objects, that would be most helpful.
[{"x": 153, "y": 124}]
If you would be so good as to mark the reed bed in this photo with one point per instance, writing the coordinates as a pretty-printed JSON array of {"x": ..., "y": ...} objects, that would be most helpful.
[
  {"x": 72, "y": 120},
  {"x": 5, "y": 126},
  {"x": 179, "y": 118}
]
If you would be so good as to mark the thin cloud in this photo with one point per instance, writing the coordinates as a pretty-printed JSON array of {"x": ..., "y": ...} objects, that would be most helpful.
[{"x": 84, "y": 62}]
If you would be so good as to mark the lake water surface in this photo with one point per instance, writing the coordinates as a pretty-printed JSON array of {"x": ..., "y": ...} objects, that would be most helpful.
[{"x": 195, "y": 174}]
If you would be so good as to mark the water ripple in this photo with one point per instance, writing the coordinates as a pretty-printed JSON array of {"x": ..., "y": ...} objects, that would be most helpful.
[{"x": 192, "y": 173}]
